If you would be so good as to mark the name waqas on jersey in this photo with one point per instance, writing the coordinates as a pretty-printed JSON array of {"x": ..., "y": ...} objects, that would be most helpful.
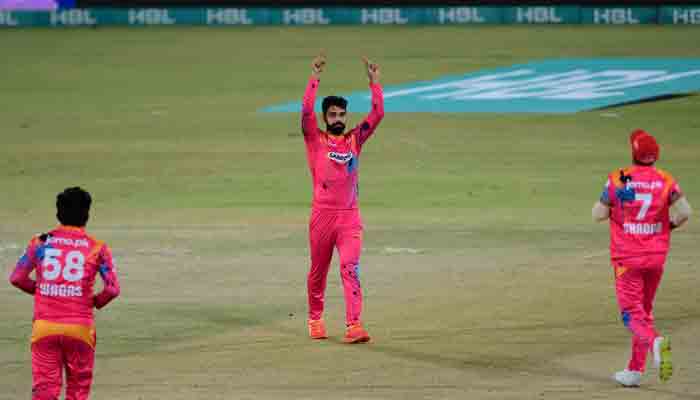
[
  {"x": 54, "y": 290},
  {"x": 340, "y": 158}
]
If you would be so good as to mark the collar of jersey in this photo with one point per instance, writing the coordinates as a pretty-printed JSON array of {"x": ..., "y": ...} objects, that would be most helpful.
[
  {"x": 70, "y": 228},
  {"x": 335, "y": 138}
]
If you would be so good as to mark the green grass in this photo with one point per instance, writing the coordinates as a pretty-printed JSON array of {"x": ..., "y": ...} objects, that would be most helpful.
[{"x": 205, "y": 203}]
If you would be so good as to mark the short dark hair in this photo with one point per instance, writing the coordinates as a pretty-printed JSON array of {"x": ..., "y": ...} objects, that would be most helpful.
[
  {"x": 334, "y": 101},
  {"x": 73, "y": 207}
]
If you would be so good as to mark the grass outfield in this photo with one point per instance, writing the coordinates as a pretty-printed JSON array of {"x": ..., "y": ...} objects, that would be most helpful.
[{"x": 484, "y": 277}]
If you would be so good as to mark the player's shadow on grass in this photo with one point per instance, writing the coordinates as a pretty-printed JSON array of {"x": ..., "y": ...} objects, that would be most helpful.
[
  {"x": 477, "y": 361},
  {"x": 607, "y": 381},
  {"x": 679, "y": 395},
  {"x": 647, "y": 100},
  {"x": 514, "y": 366},
  {"x": 156, "y": 328}
]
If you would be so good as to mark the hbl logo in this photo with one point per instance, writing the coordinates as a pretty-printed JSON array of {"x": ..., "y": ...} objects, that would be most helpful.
[
  {"x": 460, "y": 15},
  {"x": 304, "y": 16},
  {"x": 538, "y": 15},
  {"x": 6, "y": 19},
  {"x": 150, "y": 16},
  {"x": 228, "y": 16},
  {"x": 74, "y": 17},
  {"x": 383, "y": 16}
]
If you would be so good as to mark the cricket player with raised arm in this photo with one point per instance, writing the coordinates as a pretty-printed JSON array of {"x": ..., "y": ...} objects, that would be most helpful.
[
  {"x": 66, "y": 261},
  {"x": 644, "y": 204},
  {"x": 333, "y": 157}
]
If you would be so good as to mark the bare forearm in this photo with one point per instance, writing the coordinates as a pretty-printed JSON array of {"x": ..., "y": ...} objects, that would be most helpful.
[
  {"x": 680, "y": 212},
  {"x": 600, "y": 212}
]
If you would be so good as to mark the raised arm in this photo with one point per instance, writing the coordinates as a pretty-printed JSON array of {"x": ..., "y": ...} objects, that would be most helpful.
[
  {"x": 25, "y": 265},
  {"x": 376, "y": 114},
  {"x": 309, "y": 125},
  {"x": 108, "y": 273}
]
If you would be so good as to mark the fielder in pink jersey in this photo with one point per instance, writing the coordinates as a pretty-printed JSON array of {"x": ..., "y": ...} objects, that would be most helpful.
[
  {"x": 66, "y": 261},
  {"x": 643, "y": 204},
  {"x": 333, "y": 157}
]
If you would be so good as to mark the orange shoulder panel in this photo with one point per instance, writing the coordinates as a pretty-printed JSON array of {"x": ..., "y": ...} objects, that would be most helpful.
[
  {"x": 96, "y": 248},
  {"x": 668, "y": 182},
  {"x": 615, "y": 175},
  {"x": 665, "y": 175}
]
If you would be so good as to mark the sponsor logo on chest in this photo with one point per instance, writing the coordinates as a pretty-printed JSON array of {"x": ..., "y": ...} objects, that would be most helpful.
[{"x": 340, "y": 158}]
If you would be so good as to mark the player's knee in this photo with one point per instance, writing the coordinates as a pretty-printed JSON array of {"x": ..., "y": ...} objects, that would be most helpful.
[
  {"x": 46, "y": 391},
  {"x": 315, "y": 278},
  {"x": 350, "y": 270},
  {"x": 629, "y": 316},
  {"x": 79, "y": 385},
  {"x": 636, "y": 321},
  {"x": 626, "y": 318},
  {"x": 84, "y": 377}
]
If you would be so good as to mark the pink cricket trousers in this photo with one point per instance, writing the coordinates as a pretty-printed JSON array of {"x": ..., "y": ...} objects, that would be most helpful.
[
  {"x": 341, "y": 229},
  {"x": 636, "y": 282},
  {"x": 50, "y": 355}
]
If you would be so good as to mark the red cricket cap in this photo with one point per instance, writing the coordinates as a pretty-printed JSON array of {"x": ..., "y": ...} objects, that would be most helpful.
[{"x": 645, "y": 150}]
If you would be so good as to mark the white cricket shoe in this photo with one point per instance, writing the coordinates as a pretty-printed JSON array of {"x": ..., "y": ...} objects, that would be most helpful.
[
  {"x": 656, "y": 351},
  {"x": 662, "y": 358},
  {"x": 628, "y": 378}
]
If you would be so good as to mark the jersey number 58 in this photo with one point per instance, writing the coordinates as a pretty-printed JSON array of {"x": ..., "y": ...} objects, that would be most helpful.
[{"x": 73, "y": 270}]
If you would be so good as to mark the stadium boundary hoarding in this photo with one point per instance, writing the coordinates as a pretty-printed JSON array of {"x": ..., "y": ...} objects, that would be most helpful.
[
  {"x": 448, "y": 15},
  {"x": 369, "y": 3}
]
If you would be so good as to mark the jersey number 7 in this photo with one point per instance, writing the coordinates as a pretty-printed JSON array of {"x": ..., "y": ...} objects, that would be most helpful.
[{"x": 646, "y": 199}]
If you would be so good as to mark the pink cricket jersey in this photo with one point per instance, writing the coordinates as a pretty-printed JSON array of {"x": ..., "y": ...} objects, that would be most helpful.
[
  {"x": 66, "y": 261},
  {"x": 639, "y": 198},
  {"x": 334, "y": 160}
]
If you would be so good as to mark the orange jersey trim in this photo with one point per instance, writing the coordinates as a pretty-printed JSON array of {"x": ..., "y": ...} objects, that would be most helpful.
[
  {"x": 42, "y": 328},
  {"x": 70, "y": 228}
]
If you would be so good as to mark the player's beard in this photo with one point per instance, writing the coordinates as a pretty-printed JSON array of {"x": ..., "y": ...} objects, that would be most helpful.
[{"x": 337, "y": 128}]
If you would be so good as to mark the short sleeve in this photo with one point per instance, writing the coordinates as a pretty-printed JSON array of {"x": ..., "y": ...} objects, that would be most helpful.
[{"x": 605, "y": 194}]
